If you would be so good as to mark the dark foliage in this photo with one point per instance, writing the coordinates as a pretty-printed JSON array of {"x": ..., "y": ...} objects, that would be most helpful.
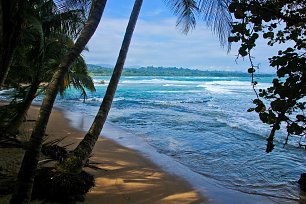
[
  {"x": 9, "y": 141},
  {"x": 7, "y": 184},
  {"x": 52, "y": 150},
  {"x": 302, "y": 181},
  {"x": 58, "y": 153},
  {"x": 279, "y": 22},
  {"x": 7, "y": 112},
  {"x": 55, "y": 152},
  {"x": 54, "y": 186}
]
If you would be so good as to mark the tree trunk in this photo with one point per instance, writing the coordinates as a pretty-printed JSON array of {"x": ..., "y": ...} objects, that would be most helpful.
[
  {"x": 24, "y": 184},
  {"x": 76, "y": 161},
  {"x": 11, "y": 24},
  {"x": 16, "y": 122}
]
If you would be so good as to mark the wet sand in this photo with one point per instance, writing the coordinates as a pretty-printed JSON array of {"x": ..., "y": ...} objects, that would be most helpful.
[{"x": 127, "y": 176}]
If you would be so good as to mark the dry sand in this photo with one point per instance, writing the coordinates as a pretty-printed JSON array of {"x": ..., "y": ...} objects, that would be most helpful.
[{"x": 128, "y": 177}]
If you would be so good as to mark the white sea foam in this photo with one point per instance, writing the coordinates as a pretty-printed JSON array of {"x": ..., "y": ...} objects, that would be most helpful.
[
  {"x": 142, "y": 109},
  {"x": 119, "y": 98},
  {"x": 144, "y": 81},
  {"x": 235, "y": 83},
  {"x": 159, "y": 81},
  {"x": 227, "y": 87},
  {"x": 93, "y": 99},
  {"x": 174, "y": 85},
  {"x": 230, "y": 83},
  {"x": 177, "y": 91},
  {"x": 244, "y": 124},
  {"x": 216, "y": 89},
  {"x": 98, "y": 99},
  {"x": 208, "y": 187},
  {"x": 6, "y": 94},
  {"x": 6, "y": 91},
  {"x": 97, "y": 85}
]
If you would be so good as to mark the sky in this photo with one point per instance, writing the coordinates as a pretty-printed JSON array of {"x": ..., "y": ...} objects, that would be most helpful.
[{"x": 158, "y": 42}]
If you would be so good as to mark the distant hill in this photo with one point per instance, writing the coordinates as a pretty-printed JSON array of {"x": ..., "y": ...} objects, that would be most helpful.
[
  {"x": 164, "y": 71},
  {"x": 105, "y": 65}
]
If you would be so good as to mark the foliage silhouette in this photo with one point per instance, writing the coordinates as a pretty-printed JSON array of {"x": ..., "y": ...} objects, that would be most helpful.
[{"x": 279, "y": 22}]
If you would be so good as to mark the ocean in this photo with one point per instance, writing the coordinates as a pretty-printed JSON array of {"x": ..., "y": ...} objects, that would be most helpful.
[{"x": 198, "y": 128}]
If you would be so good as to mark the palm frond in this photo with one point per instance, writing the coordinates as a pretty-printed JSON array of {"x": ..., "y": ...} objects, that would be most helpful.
[
  {"x": 78, "y": 78},
  {"x": 35, "y": 34},
  {"x": 186, "y": 10},
  {"x": 65, "y": 5},
  {"x": 215, "y": 13},
  {"x": 69, "y": 22}
]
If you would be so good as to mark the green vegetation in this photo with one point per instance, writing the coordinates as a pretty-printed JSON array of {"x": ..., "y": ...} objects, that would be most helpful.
[
  {"x": 165, "y": 71},
  {"x": 49, "y": 36},
  {"x": 49, "y": 29},
  {"x": 75, "y": 162},
  {"x": 186, "y": 12},
  {"x": 41, "y": 41},
  {"x": 279, "y": 22}
]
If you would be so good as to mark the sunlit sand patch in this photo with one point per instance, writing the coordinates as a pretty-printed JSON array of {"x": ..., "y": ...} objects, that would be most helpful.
[
  {"x": 106, "y": 181},
  {"x": 112, "y": 167},
  {"x": 133, "y": 186},
  {"x": 187, "y": 197},
  {"x": 119, "y": 186},
  {"x": 129, "y": 178},
  {"x": 123, "y": 163},
  {"x": 97, "y": 191},
  {"x": 121, "y": 150}
]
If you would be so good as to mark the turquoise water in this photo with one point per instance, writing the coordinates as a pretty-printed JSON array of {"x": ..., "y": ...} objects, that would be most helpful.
[{"x": 202, "y": 123}]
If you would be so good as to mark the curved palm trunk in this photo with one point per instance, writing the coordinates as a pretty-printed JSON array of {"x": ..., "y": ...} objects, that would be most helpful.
[
  {"x": 11, "y": 25},
  {"x": 26, "y": 173},
  {"x": 76, "y": 161},
  {"x": 16, "y": 122}
]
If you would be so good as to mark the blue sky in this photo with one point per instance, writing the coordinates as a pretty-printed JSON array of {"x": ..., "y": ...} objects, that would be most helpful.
[{"x": 157, "y": 41}]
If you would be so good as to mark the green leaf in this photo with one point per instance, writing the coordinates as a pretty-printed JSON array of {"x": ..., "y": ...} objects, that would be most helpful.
[
  {"x": 251, "y": 70},
  {"x": 251, "y": 109}
]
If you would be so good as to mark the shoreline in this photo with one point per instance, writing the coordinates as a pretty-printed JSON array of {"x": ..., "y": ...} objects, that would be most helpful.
[
  {"x": 127, "y": 176},
  {"x": 207, "y": 187},
  {"x": 175, "y": 182}
]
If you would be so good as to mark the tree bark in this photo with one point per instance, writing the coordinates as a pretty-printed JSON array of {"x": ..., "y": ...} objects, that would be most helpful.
[
  {"x": 76, "y": 161},
  {"x": 24, "y": 184},
  {"x": 11, "y": 24}
]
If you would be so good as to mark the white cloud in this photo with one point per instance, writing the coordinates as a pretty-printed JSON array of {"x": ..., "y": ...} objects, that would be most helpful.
[{"x": 159, "y": 43}]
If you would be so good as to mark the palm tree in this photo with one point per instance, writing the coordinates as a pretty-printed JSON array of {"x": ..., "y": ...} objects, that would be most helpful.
[
  {"x": 213, "y": 12},
  {"x": 11, "y": 23},
  {"x": 29, "y": 164},
  {"x": 26, "y": 173},
  {"x": 77, "y": 77},
  {"x": 17, "y": 16},
  {"x": 76, "y": 161},
  {"x": 50, "y": 33}
]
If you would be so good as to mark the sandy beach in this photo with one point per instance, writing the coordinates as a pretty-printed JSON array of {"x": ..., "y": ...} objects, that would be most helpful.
[{"x": 127, "y": 176}]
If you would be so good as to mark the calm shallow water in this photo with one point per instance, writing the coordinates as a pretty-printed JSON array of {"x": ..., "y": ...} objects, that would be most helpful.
[{"x": 202, "y": 123}]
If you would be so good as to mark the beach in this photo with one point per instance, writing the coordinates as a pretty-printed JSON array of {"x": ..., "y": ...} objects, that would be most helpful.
[
  {"x": 196, "y": 128},
  {"x": 125, "y": 176}
]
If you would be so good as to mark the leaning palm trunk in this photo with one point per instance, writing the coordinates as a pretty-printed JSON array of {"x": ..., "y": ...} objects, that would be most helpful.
[
  {"x": 26, "y": 173},
  {"x": 16, "y": 122},
  {"x": 10, "y": 33},
  {"x": 76, "y": 161}
]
